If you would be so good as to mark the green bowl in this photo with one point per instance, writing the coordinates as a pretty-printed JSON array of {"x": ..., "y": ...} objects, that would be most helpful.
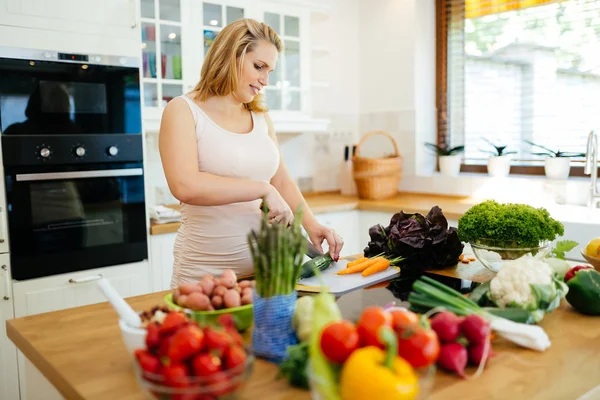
[{"x": 242, "y": 316}]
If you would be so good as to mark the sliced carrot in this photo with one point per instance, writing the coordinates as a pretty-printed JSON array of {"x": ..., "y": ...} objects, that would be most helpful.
[
  {"x": 379, "y": 266},
  {"x": 359, "y": 267},
  {"x": 356, "y": 262},
  {"x": 472, "y": 259},
  {"x": 461, "y": 257}
]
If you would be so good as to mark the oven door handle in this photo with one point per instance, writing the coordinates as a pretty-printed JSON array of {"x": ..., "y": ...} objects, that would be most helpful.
[
  {"x": 86, "y": 279},
  {"x": 103, "y": 173},
  {"x": 6, "y": 283}
]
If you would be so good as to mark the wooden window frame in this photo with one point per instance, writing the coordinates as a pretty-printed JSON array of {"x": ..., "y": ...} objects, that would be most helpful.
[{"x": 441, "y": 83}]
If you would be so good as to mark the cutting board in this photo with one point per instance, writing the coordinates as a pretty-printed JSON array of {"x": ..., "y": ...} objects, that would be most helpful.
[{"x": 342, "y": 284}]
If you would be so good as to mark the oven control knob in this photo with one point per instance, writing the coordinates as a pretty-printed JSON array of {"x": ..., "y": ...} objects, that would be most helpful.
[
  {"x": 45, "y": 152},
  {"x": 80, "y": 151},
  {"x": 112, "y": 150}
]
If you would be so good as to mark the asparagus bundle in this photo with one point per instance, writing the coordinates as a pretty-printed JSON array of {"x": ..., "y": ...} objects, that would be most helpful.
[{"x": 278, "y": 252}]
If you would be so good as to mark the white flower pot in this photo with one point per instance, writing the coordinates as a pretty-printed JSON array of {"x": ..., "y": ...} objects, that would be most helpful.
[
  {"x": 499, "y": 166},
  {"x": 557, "y": 167},
  {"x": 450, "y": 165}
]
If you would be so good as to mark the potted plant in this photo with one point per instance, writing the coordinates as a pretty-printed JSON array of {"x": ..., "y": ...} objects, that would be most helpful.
[
  {"x": 499, "y": 161},
  {"x": 557, "y": 164},
  {"x": 449, "y": 158}
]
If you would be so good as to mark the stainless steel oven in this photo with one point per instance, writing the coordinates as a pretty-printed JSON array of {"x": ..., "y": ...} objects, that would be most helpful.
[{"x": 73, "y": 161}]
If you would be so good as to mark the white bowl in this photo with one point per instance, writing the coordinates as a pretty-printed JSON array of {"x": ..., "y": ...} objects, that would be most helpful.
[{"x": 133, "y": 337}]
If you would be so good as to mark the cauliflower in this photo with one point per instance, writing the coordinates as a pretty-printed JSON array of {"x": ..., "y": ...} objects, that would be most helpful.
[
  {"x": 303, "y": 317},
  {"x": 512, "y": 286}
]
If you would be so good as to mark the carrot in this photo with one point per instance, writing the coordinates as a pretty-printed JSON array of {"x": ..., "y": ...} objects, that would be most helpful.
[
  {"x": 359, "y": 267},
  {"x": 356, "y": 262},
  {"x": 379, "y": 266},
  {"x": 461, "y": 257}
]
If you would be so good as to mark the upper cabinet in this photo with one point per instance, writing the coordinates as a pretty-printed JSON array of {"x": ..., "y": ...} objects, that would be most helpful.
[
  {"x": 100, "y": 27},
  {"x": 175, "y": 43}
]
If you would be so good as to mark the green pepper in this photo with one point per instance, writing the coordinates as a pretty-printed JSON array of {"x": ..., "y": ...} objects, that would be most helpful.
[{"x": 584, "y": 291}]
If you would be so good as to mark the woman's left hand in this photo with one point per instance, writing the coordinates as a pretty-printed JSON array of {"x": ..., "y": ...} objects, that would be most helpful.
[{"x": 318, "y": 233}]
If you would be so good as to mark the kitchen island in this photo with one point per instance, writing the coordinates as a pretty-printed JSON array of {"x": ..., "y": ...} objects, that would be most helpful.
[{"x": 80, "y": 352}]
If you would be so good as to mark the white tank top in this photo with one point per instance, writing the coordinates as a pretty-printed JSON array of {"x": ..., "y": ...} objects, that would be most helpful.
[{"x": 213, "y": 238}]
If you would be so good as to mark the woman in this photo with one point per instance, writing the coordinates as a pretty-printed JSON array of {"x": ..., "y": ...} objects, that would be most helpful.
[{"x": 221, "y": 158}]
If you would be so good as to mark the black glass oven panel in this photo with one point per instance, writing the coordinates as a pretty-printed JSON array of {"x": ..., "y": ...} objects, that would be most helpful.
[
  {"x": 57, "y": 98},
  {"x": 63, "y": 225}
]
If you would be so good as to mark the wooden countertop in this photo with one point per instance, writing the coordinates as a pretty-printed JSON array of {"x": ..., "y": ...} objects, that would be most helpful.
[
  {"x": 81, "y": 353},
  {"x": 453, "y": 207}
]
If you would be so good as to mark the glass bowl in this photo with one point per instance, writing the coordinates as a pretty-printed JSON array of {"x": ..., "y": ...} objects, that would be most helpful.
[
  {"x": 426, "y": 377},
  {"x": 222, "y": 385},
  {"x": 493, "y": 254}
]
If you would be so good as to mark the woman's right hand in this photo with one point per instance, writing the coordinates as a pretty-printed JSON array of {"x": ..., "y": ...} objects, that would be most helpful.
[{"x": 279, "y": 210}]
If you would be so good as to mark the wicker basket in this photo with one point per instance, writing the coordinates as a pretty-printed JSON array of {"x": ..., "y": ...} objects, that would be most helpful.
[{"x": 377, "y": 178}]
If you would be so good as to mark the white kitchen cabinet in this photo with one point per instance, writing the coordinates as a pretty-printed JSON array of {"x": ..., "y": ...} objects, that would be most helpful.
[
  {"x": 161, "y": 260},
  {"x": 9, "y": 380},
  {"x": 117, "y": 18},
  {"x": 76, "y": 289},
  {"x": 346, "y": 224}
]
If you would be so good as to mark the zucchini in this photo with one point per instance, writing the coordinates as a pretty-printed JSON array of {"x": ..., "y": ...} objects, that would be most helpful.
[{"x": 320, "y": 263}]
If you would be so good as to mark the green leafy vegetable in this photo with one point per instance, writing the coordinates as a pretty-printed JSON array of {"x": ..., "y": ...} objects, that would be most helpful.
[
  {"x": 508, "y": 225},
  {"x": 563, "y": 246},
  {"x": 294, "y": 366}
]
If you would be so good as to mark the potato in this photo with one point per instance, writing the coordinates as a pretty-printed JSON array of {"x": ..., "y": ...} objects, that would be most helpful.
[
  {"x": 217, "y": 302},
  {"x": 228, "y": 278},
  {"x": 244, "y": 284},
  {"x": 219, "y": 291},
  {"x": 198, "y": 301},
  {"x": 246, "y": 298},
  {"x": 232, "y": 299},
  {"x": 207, "y": 284},
  {"x": 188, "y": 288},
  {"x": 247, "y": 292},
  {"x": 182, "y": 300},
  {"x": 176, "y": 294},
  {"x": 238, "y": 289}
]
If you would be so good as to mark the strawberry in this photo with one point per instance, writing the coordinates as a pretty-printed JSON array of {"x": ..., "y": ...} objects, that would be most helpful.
[
  {"x": 216, "y": 339},
  {"x": 152, "y": 336},
  {"x": 163, "y": 347},
  {"x": 148, "y": 362},
  {"x": 172, "y": 321},
  {"x": 176, "y": 375},
  {"x": 186, "y": 342},
  {"x": 226, "y": 321},
  {"x": 234, "y": 357},
  {"x": 206, "y": 364}
]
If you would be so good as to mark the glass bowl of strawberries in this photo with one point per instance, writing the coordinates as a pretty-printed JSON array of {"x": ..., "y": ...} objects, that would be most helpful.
[{"x": 182, "y": 360}]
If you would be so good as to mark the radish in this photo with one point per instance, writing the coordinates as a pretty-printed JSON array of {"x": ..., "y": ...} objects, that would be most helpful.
[
  {"x": 446, "y": 325},
  {"x": 477, "y": 352},
  {"x": 453, "y": 357},
  {"x": 475, "y": 329}
]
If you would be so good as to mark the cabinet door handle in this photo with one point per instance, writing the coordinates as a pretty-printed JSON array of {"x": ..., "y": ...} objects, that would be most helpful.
[
  {"x": 133, "y": 14},
  {"x": 86, "y": 279},
  {"x": 6, "y": 283},
  {"x": 2, "y": 228}
]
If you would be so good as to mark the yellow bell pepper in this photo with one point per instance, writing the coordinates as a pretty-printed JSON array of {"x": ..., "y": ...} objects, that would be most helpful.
[{"x": 371, "y": 373}]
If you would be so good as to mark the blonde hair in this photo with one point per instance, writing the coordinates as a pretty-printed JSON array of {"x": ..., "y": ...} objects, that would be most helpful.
[{"x": 220, "y": 71}]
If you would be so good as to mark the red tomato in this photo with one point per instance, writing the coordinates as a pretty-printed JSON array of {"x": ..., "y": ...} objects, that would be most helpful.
[
  {"x": 420, "y": 347},
  {"x": 403, "y": 319},
  {"x": 338, "y": 340},
  {"x": 371, "y": 320}
]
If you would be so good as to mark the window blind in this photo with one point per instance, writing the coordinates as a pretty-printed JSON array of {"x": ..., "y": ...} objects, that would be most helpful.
[{"x": 514, "y": 72}]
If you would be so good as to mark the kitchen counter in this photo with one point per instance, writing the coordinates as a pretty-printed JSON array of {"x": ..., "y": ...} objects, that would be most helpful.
[
  {"x": 453, "y": 207},
  {"x": 80, "y": 352}
]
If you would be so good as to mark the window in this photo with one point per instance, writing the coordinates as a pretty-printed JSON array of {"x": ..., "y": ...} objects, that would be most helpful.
[
  {"x": 284, "y": 90},
  {"x": 216, "y": 16},
  {"x": 518, "y": 72}
]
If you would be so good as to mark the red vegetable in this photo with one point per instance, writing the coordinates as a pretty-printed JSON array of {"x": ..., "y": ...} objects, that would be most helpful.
[
  {"x": 419, "y": 346},
  {"x": 371, "y": 320},
  {"x": 453, "y": 357},
  {"x": 571, "y": 273},
  {"x": 446, "y": 325},
  {"x": 476, "y": 352},
  {"x": 338, "y": 340},
  {"x": 475, "y": 329}
]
